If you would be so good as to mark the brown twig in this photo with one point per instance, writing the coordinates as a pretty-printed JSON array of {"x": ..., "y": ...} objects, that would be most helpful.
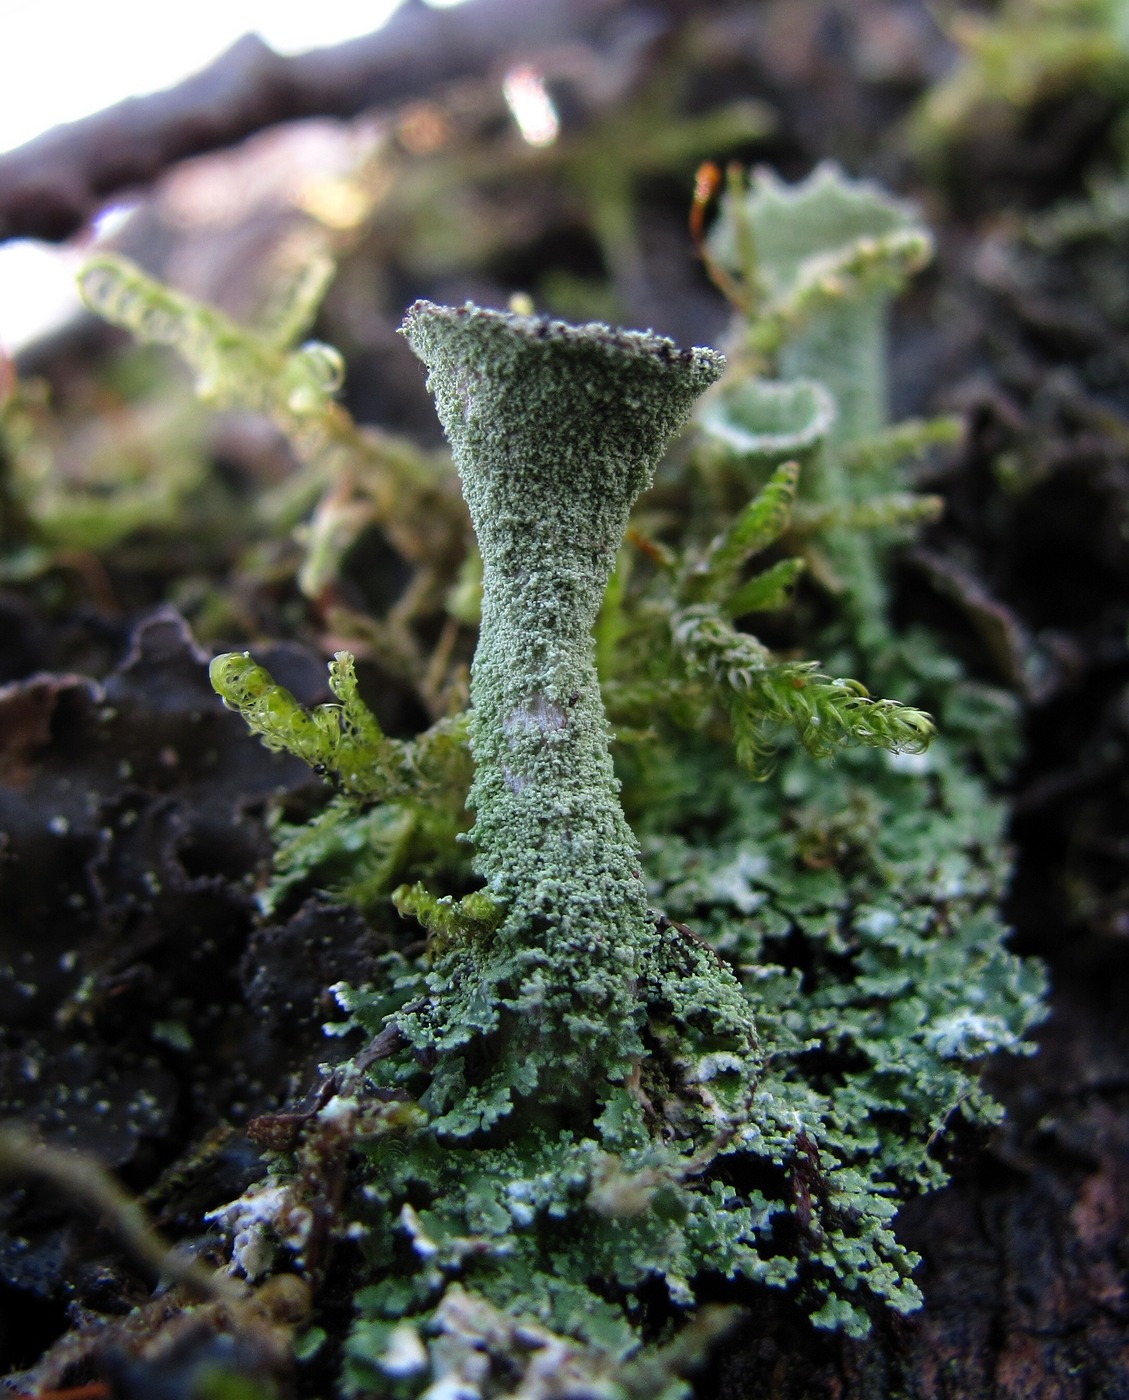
[{"x": 84, "y": 1181}]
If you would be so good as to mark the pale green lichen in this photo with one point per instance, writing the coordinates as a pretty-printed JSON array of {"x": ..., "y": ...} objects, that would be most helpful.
[
  {"x": 815, "y": 266},
  {"x": 618, "y": 1104},
  {"x": 820, "y": 261},
  {"x": 758, "y": 421},
  {"x": 555, "y": 430}
]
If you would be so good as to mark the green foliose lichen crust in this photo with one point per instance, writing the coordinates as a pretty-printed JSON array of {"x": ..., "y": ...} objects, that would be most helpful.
[{"x": 555, "y": 430}]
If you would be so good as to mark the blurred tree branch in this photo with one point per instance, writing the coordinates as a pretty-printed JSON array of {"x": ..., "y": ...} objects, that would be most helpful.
[{"x": 53, "y": 184}]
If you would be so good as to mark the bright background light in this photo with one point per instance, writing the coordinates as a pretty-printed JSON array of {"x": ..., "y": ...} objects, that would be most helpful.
[{"x": 64, "y": 59}]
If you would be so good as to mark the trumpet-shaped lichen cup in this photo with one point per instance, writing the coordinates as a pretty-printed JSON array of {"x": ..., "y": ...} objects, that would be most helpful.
[{"x": 555, "y": 430}]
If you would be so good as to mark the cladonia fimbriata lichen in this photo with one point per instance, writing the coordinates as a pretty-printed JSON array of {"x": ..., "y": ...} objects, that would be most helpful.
[
  {"x": 820, "y": 263},
  {"x": 555, "y": 430},
  {"x": 828, "y": 255},
  {"x": 570, "y": 1110}
]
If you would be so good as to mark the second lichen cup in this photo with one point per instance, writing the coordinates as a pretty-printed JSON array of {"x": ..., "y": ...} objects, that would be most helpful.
[{"x": 555, "y": 430}]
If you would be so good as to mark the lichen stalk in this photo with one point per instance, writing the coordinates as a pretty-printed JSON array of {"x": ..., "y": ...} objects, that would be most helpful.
[
  {"x": 844, "y": 348},
  {"x": 555, "y": 430}
]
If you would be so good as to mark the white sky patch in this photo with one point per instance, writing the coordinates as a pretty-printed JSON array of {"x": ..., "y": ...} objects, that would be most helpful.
[
  {"x": 37, "y": 290},
  {"x": 63, "y": 59},
  {"x": 531, "y": 105}
]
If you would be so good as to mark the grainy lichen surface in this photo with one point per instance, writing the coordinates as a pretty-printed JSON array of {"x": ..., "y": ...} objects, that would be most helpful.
[
  {"x": 555, "y": 430},
  {"x": 572, "y": 1107}
]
